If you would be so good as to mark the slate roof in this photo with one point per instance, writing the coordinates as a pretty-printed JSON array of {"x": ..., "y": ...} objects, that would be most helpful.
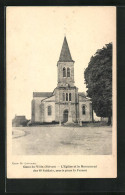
[
  {"x": 82, "y": 94},
  {"x": 65, "y": 55},
  {"x": 42, "y": 94},
  {"x": 20, "y": 117}
]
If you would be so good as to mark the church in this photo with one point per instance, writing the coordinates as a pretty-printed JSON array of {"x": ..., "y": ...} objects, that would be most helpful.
[{"x": 65, "y": 104}]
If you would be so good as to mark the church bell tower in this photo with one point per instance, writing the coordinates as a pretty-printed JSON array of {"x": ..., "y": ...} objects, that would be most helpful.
[
  {"x": 65, "y": 67},
  {"x": 66, "y": 94}
]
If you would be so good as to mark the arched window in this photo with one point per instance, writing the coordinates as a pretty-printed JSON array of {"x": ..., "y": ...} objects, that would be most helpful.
[
  {"x": 66, "y": 96},
  {"x": 68, "y": 72},
  {"x": 63, "y": 96},
  {"x": 70, "y": 97},
  {"x": 49, "y": 110},
  {"x": 64, "y": 72},
  {"x": 83, "y": 110}
]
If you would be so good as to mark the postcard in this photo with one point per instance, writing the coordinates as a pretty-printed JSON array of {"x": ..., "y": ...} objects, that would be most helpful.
[{"x": 61, "y": 92}]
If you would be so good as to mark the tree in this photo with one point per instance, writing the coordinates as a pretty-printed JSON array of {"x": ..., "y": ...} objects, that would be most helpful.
[{"x": 98, "y": 79}]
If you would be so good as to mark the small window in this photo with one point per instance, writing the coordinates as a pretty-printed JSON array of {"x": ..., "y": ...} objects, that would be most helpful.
[
  {"x": 64, "y": 72},
  {"x": 83, "y": 110},
  {"x": 66, "y": 96},
  {"x": 63, "y": 96},
  {"x": 49, "y": 110},
  {"x": 68, "y": 72},
  {"x": 70, "y": 98}
]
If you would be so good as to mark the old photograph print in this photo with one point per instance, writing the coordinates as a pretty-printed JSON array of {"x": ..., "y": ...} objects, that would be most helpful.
[{"x": 61, "y": 86}]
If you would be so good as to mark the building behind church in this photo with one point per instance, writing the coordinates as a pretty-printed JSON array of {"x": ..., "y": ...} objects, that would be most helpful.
[
  {"x": 19, "y": 121},
  {"x": 65, "y": 104}
]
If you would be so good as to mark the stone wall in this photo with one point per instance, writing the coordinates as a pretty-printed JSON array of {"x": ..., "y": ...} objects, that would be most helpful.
[
  {"x": 61, "y": 107},
  {"x": 33, "y": 110},
  {"x": 59, "y": 94},
  {"x": 36, "y": 110},
  {"x": 62, "y": 81},
  {"x": 88, "y": 111},
  {"x": 49, "y": 118}
]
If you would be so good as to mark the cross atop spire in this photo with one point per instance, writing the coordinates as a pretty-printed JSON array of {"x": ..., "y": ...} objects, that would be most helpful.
[{"x": 65, "y": 55}]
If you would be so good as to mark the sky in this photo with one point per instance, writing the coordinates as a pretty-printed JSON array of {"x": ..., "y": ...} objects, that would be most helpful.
[{"x": 34, "y": 38}]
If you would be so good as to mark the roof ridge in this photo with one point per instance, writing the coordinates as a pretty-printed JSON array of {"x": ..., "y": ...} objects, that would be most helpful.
[
  {"x": 47, "y": 98},
  {"x": 42, "y": 94}
]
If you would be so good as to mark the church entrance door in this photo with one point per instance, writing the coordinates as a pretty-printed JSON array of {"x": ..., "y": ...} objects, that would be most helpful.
[{"x": 65, "y": 116}]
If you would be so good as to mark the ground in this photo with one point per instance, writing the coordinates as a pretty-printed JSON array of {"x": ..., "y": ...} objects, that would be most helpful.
[{"x": 56, "y": 140}]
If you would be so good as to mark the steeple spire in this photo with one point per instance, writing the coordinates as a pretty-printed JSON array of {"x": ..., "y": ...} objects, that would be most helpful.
[{"x": 65, "y": 55}]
